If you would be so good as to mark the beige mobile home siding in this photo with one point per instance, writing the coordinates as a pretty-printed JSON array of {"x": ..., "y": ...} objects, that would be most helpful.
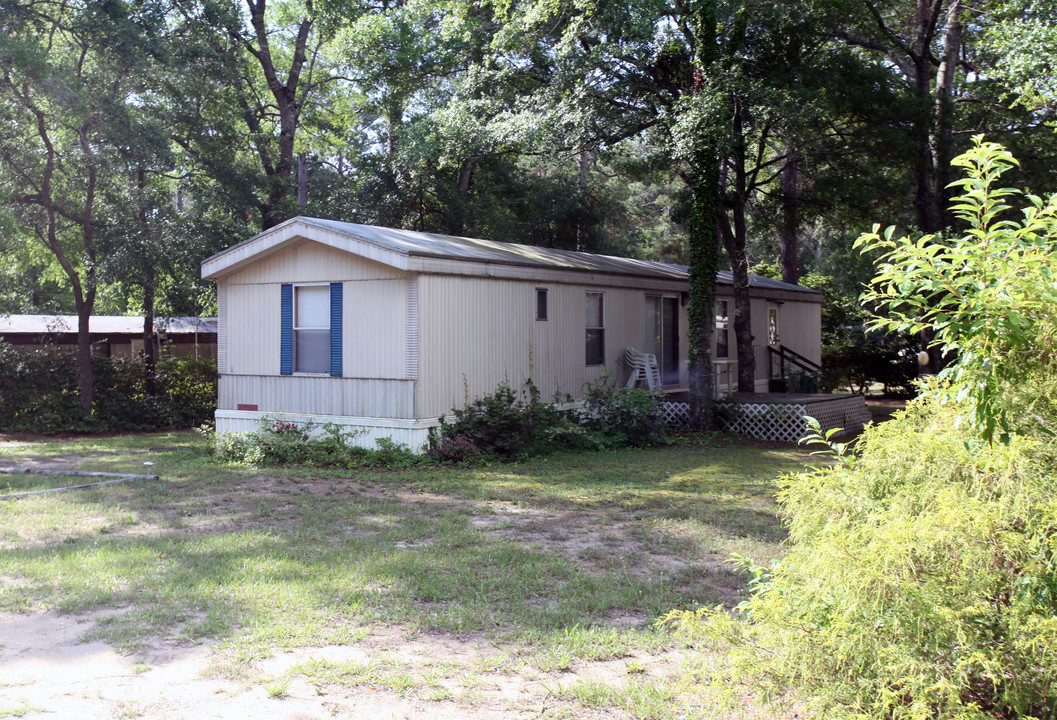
[
  {"x": 476, "y": 333},
  {"x": 375, "y": 345},
  {"x": 374, "y": 302},
  {"x": 252, "y": 329},
  {"x": 801, "y": 328},
  {"x": 316, "y": 395},
  {"x": 312, "y": 262}
]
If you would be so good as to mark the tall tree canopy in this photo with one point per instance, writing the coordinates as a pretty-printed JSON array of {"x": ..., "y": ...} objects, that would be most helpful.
[
  {"x": 75, "y": 95},
  {"x": 145, "y": 134}
]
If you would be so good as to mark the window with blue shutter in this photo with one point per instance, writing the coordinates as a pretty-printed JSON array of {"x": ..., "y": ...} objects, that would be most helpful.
[{"x": 310, "y": 321}]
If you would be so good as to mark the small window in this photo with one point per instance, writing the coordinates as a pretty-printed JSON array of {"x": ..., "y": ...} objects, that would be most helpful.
[
  {"x": 772, "y": 326},
  {"x": 594, "y": 319},
  {"x": 722, "y": 329},
  {"x": 541, "y": 303},
  {"x": 312, "y": 329}
]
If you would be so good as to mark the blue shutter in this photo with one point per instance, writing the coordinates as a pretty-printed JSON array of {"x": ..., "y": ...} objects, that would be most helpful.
[
  {"x": 286, "y": 330},
  {"x": 335, "y": 329}
]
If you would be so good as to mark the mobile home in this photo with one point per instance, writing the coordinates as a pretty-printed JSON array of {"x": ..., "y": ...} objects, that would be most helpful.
[{"x": 385, "y": 330}]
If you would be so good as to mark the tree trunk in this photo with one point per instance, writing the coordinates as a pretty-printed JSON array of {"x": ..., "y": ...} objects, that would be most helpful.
[
  {"x": 734, "y": 240},
  {"x": 84, "y": 357},
  {"x": 790, "y": 218},
  {"x": 302, "y": 181},
  {"x": 288, "y": 105},
  {"x": 704, "y": 261},
  {"x": 150, "y": 357},
  {"x": 941, "y": 140},
  {"x": 739, "y": 266}
]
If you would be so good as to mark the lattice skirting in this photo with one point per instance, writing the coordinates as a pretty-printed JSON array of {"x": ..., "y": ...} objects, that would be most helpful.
[
  {"x": 675, "y": 413},
  {"x": 782, "y": 422}
]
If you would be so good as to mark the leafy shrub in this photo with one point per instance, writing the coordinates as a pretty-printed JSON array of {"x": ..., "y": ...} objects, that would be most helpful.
[
  {"x": 454, "y": 449},
  {"x": 921, "y": 581},
  {"x": 863, "y": 359},
  {"x": 505, "y": 425},
  {"x": 621, "y": 415},
  {"x": 38, "y": 392},
  {"x": 188, "y": 390},
  {"x": 280, "y": 443},
  {"x": 501, "y": 424}
]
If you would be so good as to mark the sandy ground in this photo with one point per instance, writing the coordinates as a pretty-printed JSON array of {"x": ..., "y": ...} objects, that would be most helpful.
[{"x": 48, "y": 670}]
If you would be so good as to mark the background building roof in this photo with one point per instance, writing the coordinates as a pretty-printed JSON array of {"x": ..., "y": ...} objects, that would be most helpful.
[{"x": 103, "y": 324}]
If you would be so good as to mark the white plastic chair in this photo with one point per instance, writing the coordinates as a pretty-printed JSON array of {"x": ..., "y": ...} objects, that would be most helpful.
[{"x": 643, "y": 367}]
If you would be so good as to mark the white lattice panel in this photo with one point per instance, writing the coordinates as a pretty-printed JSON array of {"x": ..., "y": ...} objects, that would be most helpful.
[
  {"x": 848, "y": 413},
  {"x": 764, "y": 421},
  {"x": 781, "y": 422},
  {"x": 675, "y": 413}
]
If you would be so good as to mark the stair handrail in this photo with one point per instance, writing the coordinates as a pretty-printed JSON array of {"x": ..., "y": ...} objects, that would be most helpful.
[{"x": 807, "y": 365}]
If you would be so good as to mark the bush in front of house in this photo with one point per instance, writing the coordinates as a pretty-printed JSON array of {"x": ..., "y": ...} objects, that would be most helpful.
[
  {"x": 38, "y": 392},
  {"x": 620, "y": 416},
  {"x": 506, "y": 425}
]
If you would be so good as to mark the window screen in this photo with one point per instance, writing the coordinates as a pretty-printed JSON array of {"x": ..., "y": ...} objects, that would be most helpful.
[
  {"x": 541, "y": 303},
  {"x": 722, "y": 329},
  {"x": 594, "y": 320}
]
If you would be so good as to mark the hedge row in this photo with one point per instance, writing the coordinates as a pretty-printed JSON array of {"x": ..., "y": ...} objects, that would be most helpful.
[{"x": 38, "y": 392}]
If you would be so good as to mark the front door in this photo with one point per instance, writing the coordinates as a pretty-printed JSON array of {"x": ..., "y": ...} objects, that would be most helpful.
[{"x": 662, "y": 335}]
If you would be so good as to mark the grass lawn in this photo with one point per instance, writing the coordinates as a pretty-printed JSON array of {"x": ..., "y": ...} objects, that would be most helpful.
[{"x": 556, "y": 565}]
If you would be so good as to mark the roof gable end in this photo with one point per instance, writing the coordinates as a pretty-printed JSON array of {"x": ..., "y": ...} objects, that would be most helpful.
[{"x": 293, "y": 232}]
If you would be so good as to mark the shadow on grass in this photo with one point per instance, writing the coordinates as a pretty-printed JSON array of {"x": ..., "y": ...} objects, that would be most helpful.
[{"x": 272, "y": 560}]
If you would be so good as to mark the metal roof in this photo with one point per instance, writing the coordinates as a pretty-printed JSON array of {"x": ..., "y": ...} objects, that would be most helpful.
[
  {"x": 726, "y": 277},
  {"x": 410, "y": 243},
  {"x": 103, "y": 324}
]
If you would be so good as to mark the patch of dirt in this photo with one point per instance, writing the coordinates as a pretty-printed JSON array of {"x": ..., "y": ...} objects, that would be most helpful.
[
  {"x": 593, "y": 539},
  {"x": 49, "y": 670}
]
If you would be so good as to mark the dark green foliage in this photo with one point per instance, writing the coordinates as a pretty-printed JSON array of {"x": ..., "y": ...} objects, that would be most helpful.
[
  {"x": 38, "y": 393},
  {"x": 862, "y": 359},
  {"x": 506, "y": 426},
  {"x": 501, "y": 424}
]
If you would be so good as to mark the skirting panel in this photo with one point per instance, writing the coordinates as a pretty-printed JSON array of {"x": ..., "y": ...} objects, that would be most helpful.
[
  {"x": 413, "y": 434},
  {"x": 778, "y": 421}
]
